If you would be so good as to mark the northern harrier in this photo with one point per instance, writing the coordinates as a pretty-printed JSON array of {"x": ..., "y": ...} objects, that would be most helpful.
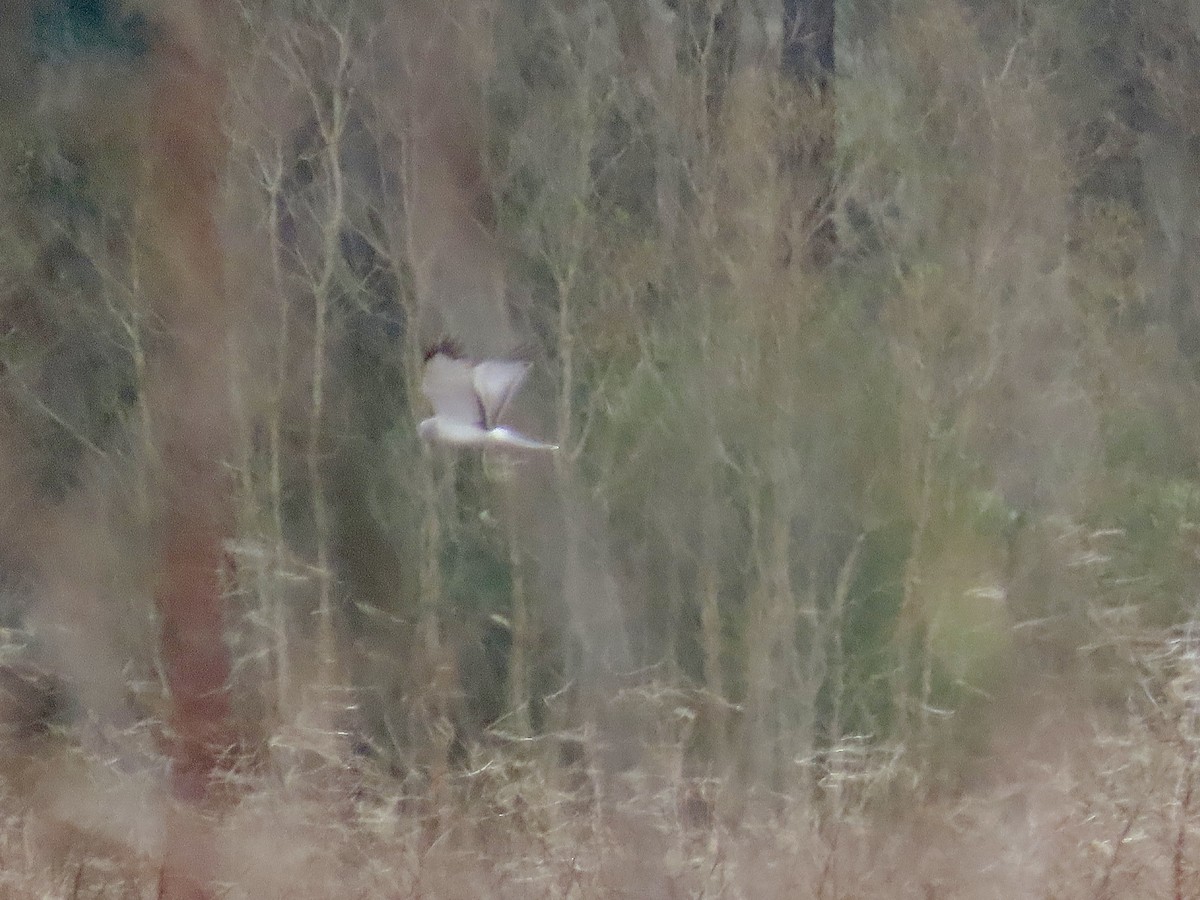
[{"x": 469, "y": 398}]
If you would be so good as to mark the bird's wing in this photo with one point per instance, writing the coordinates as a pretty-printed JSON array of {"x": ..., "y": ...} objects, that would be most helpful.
[
  {"x": 496, "y": 380},
  {"x": 450, "y": 388}
]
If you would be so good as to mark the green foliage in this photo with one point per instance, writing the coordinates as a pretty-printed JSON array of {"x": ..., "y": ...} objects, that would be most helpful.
[
  {"x": 1150, "y": 564},
  {"x": 873, "y": 609}
]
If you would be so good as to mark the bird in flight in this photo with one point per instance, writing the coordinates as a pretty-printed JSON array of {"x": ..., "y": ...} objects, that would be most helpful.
[{"x": 469, "y": 398}]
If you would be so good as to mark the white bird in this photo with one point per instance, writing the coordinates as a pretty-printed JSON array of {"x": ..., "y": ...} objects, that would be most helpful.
[{"x": 469, "y": 399}]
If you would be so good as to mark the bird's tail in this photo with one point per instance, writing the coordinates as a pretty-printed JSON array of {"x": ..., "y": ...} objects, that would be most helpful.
[{"x": 506, "y": 437}]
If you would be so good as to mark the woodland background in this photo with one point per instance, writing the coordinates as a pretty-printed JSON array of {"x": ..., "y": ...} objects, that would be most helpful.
[{"x": 871, "y": 335}]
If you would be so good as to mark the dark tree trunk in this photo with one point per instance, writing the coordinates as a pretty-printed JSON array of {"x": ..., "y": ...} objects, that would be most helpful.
[
  {"x": 808, "y": 58},
  {"x": 808, "y": 41}
]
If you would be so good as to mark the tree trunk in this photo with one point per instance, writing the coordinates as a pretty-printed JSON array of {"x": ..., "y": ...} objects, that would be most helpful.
[
  {"x": 458, "y": 265},
  {"x": 190, "y": 412},
  {"x": 808, "y": 41},
  {"x": 808, "y": 57}
]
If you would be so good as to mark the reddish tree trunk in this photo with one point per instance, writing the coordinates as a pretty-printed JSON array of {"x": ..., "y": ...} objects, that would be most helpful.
[
  {"x": 459, "y": 266},
  {"x": 191, "y": 417}
]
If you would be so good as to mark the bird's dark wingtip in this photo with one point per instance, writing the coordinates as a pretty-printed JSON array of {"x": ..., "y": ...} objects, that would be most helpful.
[{"x": 444, "y": 347}]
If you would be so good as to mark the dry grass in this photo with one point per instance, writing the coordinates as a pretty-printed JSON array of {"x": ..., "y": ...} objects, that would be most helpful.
[{"x": 1064, "y": 805}]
